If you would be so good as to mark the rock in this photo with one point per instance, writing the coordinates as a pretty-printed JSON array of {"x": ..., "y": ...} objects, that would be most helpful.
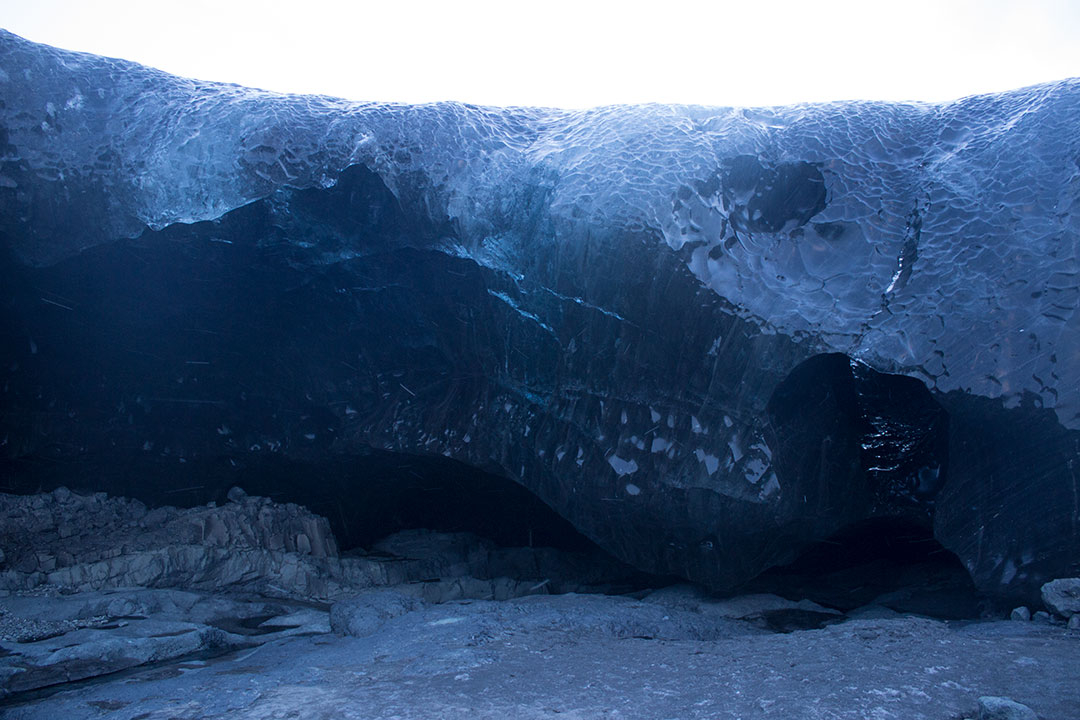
[
  {"x": 104, "y": 545},
  {"x": 999, "y": 708},
  {"x": 682, "y": 596},
  {"x": 305, "y": 621},
  {"x": 362, "y": 615},
  {"x": 80, "y": 654},
  {"x": 742, "y": 607},
  {"x": 1020, "y": 613},
  {"x": 1074, "y": 622},
  {"x": 303, "y": 544},
  {"x": 840, "y": 352},
  {"x": 873, "y": 612},
  {"x": 447, "y": 554},
  {"x": 1041, "y": 616},
  {"x": 237, "y": 495},
  {"x": 52, "y": 639},
  {"x": 242, "y": 547},
  {"x": 1062, "y": 596}
]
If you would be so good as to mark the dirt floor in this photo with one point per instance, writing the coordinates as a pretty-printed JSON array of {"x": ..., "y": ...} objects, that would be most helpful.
[{"x": 584, "y": 656}]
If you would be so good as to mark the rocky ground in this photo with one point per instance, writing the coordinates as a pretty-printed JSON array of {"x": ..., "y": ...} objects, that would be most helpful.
[{"x": 447, "y": 626}]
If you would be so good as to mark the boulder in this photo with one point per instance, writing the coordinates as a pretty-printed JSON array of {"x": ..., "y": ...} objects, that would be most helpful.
[
  {"x": 999, "y": 708},
  {"x": 364, "y": 614},
  {"x": 1062, "y": 596}
]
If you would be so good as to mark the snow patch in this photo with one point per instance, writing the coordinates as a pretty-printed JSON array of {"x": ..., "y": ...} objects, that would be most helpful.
[
  {"x": 754, "y": 470},
  {"x": 1008, "y": 572},
  {"x": 712, "y": 463},
  {"x": 736, "y": 450},
  {"x": 621, "y": 466},
  {"x": 771, "y": 486}
]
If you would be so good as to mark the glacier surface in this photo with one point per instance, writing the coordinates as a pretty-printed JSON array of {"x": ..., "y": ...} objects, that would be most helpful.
[{"x": 944, "y": 244}]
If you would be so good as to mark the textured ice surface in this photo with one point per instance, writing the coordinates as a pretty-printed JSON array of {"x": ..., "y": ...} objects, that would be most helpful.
[
  {"x": 939, "y": 240},
  {"x": 645, "y": 315}
]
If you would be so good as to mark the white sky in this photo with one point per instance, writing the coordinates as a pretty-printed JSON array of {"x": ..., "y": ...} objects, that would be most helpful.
[{"x": 580, "y": 53}]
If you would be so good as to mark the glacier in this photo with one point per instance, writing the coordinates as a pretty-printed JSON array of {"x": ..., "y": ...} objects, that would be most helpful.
[{"x": 706, "y": 336}]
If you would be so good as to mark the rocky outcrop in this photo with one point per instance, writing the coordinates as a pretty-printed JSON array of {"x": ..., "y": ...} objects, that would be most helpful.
[
  {"x": 93, "y": 542},
  {"x": 92, "y": 585},
  {"x": 707, "y": 337},
  {"x": 82, "y": 543}
]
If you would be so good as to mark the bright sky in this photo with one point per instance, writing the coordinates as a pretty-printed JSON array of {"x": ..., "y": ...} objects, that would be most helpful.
[{"x": 580, "y": 53}]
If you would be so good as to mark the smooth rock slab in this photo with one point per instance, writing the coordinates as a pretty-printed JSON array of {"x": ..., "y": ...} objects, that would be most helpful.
[
  {"x": 93, "y": 652},
  {"x": 91, "y": 634},
  {"x": 362, "y": 615}
]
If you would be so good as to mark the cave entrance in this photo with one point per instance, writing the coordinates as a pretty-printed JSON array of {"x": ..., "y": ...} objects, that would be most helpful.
[
  {"x": 890, "y": 563},
  {"x": 367, "y": 498},
  {"x": 371, "y": 496}
]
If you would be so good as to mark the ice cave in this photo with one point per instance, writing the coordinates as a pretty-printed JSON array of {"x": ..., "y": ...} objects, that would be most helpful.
[{"x": 328, "y": 409}]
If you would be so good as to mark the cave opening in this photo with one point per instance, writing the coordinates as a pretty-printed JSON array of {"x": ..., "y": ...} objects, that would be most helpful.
[
  {"x": 869, "y": 452},
  {"x": 882, "y": 562},
  {"x": 368, "y": 500}
]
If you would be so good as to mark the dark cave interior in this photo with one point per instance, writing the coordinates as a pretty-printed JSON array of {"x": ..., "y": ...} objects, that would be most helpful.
[
  {"x": 364, "y": 497},
  {"x": 892, "y": 562},
  {"x": 130, "y": 371}
]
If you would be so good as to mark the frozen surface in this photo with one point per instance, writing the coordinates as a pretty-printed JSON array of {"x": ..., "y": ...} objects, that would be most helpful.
[
  {"x": 601, "y": 657},
  {"x": 939, "y": 240}
]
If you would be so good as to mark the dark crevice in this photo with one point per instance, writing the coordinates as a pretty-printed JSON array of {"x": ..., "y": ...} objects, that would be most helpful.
[
  {"x": 889, "y": 562},
  {"x": 874, "y": 443},
  {"x": 869, "y": 452}
]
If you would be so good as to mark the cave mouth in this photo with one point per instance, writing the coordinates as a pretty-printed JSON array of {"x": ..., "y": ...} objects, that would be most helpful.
[
  {"x": 857, "y": 441},
  {"x": 882, "y": 562},
  {"x": 367, "y": 498}
]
